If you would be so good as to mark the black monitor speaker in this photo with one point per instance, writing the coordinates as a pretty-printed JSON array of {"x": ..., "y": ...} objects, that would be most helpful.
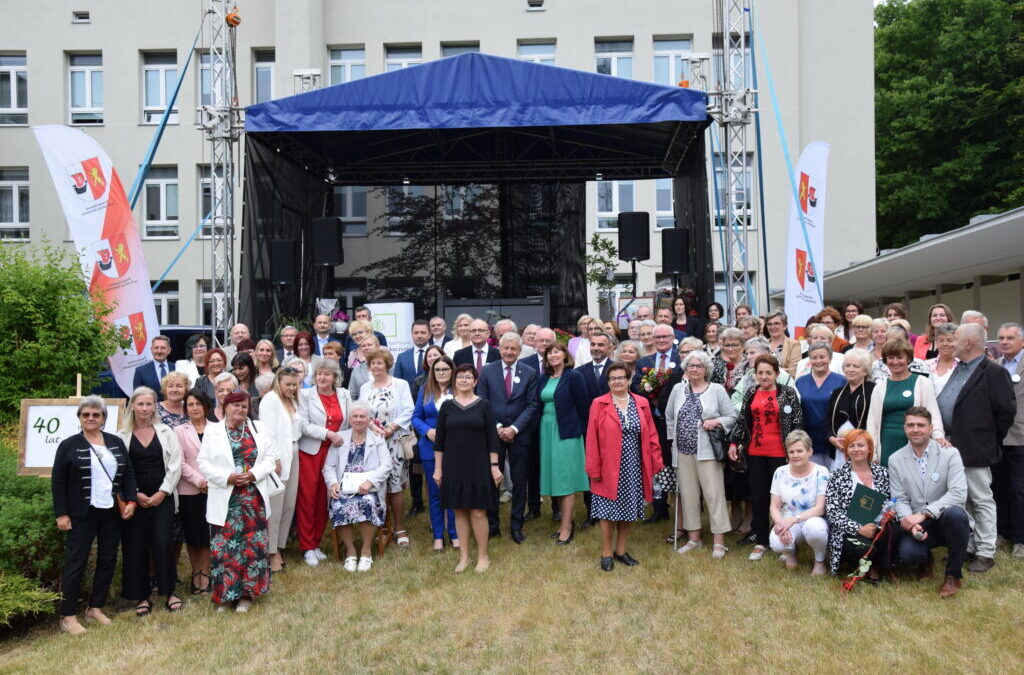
[
  {"x": 282, "y": 261},
  {"x": 675, "y": 251},
  {"x": 327, "y": 241},
  {"x": 634, "y": 235}
]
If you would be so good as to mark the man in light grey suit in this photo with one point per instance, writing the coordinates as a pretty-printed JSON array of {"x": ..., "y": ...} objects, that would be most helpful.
[{"x": 930, "y": 490}]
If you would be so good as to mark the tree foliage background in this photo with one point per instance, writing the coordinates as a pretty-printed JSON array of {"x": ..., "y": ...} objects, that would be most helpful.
[
  {"x": 949, "y": 114},
  {"x": 50, "y": 328}
]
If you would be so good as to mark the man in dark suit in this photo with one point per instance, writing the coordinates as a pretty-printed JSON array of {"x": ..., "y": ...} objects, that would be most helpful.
[
  {"x": 543, "y": 339},
  {"x": 664, "y": 358},
  {"x": 438, "y": 332},
  {"x": 511, "y": 389},
  {"x": 287, "y": 337},
  {"x": 409, "y": 363},
  {"x": 597, "y": 385},
  {"x": 362, "y": 313},
  {"x": 322, "y": 333},
  {"x": 478, "y": 353},
  {"x": 977, "y": 407},
  {"x": 152, "y": 373},
  {"x": 664, "y": 316}
]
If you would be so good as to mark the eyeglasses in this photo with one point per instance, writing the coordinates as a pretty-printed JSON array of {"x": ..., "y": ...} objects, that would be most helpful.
[
  {"x": 90, "y": 415},
  {"x": 617, "y": 378},
  {"x": 446, "y": 369},
  {"x": 774, "y": 324},
  {"x": 290, "y": 371}
]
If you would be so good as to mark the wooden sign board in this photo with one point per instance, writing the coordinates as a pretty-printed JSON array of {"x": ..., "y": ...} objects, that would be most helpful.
[{"x": 45, "y": 422}]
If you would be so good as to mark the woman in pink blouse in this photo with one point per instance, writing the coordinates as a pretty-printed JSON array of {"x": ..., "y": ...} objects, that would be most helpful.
[{"x": 192, "y": 490}]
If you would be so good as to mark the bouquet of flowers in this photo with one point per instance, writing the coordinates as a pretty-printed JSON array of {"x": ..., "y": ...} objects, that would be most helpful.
[
  {"x": 652, "y": 380},
  {"x": 864, "y": 566},
  {"x": 562, "y": 336}
]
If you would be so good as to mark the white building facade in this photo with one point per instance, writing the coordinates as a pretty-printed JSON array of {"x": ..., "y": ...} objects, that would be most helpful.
[{"x": 107, "y": 67}]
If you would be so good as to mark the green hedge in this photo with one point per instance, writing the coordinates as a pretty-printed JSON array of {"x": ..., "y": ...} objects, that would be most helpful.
[
  {"x": 30, "y": 544},
  {"x": 21, "y": 597}
]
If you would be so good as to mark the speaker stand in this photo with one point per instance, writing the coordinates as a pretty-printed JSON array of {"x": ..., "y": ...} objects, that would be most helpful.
[{"x": 633, "y": 264}]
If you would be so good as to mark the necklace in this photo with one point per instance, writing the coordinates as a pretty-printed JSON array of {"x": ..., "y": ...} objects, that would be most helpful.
[{"x": 623, "y": 399}]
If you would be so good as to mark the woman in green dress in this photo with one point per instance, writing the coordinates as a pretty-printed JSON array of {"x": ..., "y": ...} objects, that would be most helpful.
[
  {"x": 892, "y": 397},
  {"x": 563, "y": 425}
]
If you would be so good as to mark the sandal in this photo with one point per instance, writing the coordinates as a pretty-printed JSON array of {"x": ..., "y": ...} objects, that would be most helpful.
[
  {"x": 671, "y": 539},
  {"x": 173, "y": 605},
  {"x": 143, "y": 608},
  {"x": 196, "y": 590},
  {"x": 690, "y": 546},
  {"x": 718, "y": 551},
  {"x": 402, "y": 538}
]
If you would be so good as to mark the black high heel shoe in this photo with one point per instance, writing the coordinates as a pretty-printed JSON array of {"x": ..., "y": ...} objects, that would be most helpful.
[{"x": 572, "y": 533}]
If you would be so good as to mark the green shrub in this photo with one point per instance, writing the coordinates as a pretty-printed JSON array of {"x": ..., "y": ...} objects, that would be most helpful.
[
  {"x": 21, "y": 597},
  {"x": 30, "y": 543}
]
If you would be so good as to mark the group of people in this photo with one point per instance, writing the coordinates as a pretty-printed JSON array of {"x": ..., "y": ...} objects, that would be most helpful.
[{"x": 771, "y": 434}]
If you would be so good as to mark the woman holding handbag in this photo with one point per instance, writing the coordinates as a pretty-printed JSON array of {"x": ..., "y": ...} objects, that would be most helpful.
[
  {"x": 93, "y": 489},
  {"x": 696, "y": 409},
  {"x": 237, "y": 460},
  {"x": 356, "y": 475}
]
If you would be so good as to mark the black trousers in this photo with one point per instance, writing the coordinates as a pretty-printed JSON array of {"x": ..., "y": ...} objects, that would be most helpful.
[
  {"x": 518, "y": 455},
  {"x": 1008, "y": 489},
  {"x": 103, "y": 526},
  {"x": 760, "y": 471},
  {"x": 416, "y": 479},
  {"x": 952, "y": 530},
  {"x": 149, "y": 532},
  {"x": 881, "y": 556}
]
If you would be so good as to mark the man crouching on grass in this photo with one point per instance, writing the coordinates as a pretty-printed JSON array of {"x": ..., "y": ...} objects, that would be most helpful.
[{"x": 930, "y": 490}]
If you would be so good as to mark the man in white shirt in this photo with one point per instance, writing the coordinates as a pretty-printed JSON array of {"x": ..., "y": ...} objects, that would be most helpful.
[
  {"x": 238, "y": 333},
  {"x": 438, "y": 332},
  {"x": 287, "y": 337}
]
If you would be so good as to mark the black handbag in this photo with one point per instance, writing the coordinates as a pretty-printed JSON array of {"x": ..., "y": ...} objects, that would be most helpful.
[{"x": 719, "y": 443}]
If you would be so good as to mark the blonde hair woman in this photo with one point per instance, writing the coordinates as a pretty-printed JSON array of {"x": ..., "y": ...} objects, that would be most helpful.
[{"x": 460, "y": 335}]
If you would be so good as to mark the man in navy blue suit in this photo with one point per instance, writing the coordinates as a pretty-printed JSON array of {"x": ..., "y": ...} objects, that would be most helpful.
[
  {"x": 597, "y": 385},
  {"x": 409, "y": 363},
  {"x": 664, "y": 358},
  {"x": 150, "y": 374},
  {"x": 543, "y": 339},
  {"x": 287, "y": 350},
  {"x": 438, "y": 332},
  {"x": 478, "y": 353},
  {"x": 322, "y": 333},
  {"x": 664, "y": 316},
  {"x": 511, "y": 389}
]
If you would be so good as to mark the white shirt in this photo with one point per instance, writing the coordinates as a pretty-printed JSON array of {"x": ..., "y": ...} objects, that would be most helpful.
[{"x": 102, "y": 496}]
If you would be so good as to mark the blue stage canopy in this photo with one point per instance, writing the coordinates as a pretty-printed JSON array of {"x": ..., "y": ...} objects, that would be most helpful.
[{"x": 482, "y": 118}]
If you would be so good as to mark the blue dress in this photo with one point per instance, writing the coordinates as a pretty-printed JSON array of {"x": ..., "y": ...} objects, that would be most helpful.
[
  {"x": 357, "y": 508},
  {"x": 814, "y": 400},
  {"x": 628, "y": 504}
]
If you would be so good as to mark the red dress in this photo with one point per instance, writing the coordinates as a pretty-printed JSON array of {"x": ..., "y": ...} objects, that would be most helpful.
[{"x": 311, "y": 501}]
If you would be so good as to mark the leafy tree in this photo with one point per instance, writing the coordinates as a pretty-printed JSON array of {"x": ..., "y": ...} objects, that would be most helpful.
[
  {"x": 949, "y": 83},
  {"x": 602, "y": 261},
  {"x": 50, "y": 329}
]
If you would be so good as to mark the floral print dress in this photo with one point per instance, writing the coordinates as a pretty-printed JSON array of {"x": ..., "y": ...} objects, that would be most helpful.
[
  {"x": 238, "y": 549},
  {"x": 357, "y": 508}
]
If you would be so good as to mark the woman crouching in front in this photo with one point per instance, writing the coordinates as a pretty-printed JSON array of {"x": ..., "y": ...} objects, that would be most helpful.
[
  {"x": 798, "y": 504},
  {"x": 356, "y": 473}
]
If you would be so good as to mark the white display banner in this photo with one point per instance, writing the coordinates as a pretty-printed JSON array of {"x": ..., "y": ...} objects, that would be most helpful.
[
  {"x": 46, "y": 422},
  {"x": 394, "y": 320},
  {"x": 805, "y": 253},
  {"x": 103, "y": 229}
]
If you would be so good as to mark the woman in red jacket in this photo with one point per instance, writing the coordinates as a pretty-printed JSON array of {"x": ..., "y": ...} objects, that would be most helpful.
[{"x": 623, "y": 454}]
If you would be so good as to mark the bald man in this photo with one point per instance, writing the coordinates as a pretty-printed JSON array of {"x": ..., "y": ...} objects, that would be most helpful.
[
  {"x": 479, "y": 353},
  {"x": 238, "y": 333}
]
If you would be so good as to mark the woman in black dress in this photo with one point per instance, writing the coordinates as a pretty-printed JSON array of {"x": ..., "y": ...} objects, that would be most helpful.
[
  {"x": 466, "y": 464},
  {"x": 155, "y": 456}
]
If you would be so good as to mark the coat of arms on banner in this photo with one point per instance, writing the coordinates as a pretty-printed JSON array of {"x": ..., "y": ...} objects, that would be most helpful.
[
  {"x": 808, "y": 193},
  {"x": 133, "y": 326},
  {"x": 801, "y": 266},
  {"x": 112, "y": 256},
  {"x": 87, "y": 179}
]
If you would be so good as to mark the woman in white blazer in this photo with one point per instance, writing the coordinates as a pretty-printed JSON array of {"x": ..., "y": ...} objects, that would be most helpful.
[
  {"x": 155, "y": 455},
  {"x": 364, "y": 458},
  {"x": 695, "y": 407},
  {"x": 237, "y": 458},
  {"x": 279, "y": 413},
  {"x": 391, "y": 406},
  {"x": 323, "y": 410}
]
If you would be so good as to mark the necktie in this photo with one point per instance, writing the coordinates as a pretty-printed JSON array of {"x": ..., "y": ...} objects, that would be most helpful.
[
  {"x": 479, "y": 361},
  {"x": 597, "y": 371},
  {"x": 664, "y": 358},
  {"x": 419, "y": 361},
  {"x": 508, "y": 381},
  {"x": 163, "y": 370}
]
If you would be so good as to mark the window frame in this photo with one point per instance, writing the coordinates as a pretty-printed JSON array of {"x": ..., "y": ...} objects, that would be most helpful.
[
  {"x": 543, "y": 59},
  {"x": 345, "y": 64},
  {"x": 166, "y": 296},
  {"x": 347, "y": 218},
  {"x": 164, "y": 221},
  {"x": 91, "y": 109},
  {"x": 660, "y": 214},
  {"x": 615, "y": 57},
  {"x": 257, "y": 66},
  {"x": 153, "y": 113},
  {"x": 684, "y": 56},
  {"x": 207, "y": 297},
  {"x": 613, "y": 215},
  {"x": 12, "y": 72},
  {"x": 20, "y": 188},
  {"x": 401, "y": 61}
]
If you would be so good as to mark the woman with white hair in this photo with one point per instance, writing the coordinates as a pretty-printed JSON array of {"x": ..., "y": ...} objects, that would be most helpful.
[
  {"x": 647, "y": 336},
  {"x": 942, "y": 365},
  {"x": 848, "y": 405},
  {"x": 460, "y": 335},
  {"x": 223, "y": 384},
  {"x": 697, "y": 407},
  {"x": 628, "y": 353},
  {"x": 860, "y": 333},
  {"x": 818, "y": 333}
]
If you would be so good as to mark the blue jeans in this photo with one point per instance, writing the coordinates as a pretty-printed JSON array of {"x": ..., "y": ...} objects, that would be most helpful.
[{"x": 437, "y": 516}]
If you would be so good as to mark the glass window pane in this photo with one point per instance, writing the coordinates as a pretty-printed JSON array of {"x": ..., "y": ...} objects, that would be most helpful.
[
  {"x": 661, "y": 73},
  {"x": 625, "y": 195},
  {"x": 335, "y": 74},
  {"x": 170, "y": 77},
  {"x": 5, "y": 90},
  {"x": 165, "y": 59},
  {"x": 172, "y": 201},
  {"x": 263, "y": 84},
  {"x": 353, "y": 54},
  {"x": 617, "y": 46},
  {"x": 6, "y": 204},
  {"x": 22, "y": 78},
  {"x": 604, "y": 197},
  {"x": 357, "y": 71},
  {"x": 162, "y": 172},
  {"x": 23, "y": 205},
  {"x": 537, "y": 49},
  {"x": 77, "y": 89},
  {"x": 152, "y": 78},
  {"x": 391, "y": 67},
  {"x": 671, "y": 45},
  {"x": 359, "y": 202},
  {"x": 604, "y": 65},
  {"x": 664, "y": 194},
  {"x": 625, "y": 66},
  {"x": 152, "y": 202},
  {"x": 97, "y": 89},
  {"x": 204, "y": 86},
  {"x": 12, "y": 59}
]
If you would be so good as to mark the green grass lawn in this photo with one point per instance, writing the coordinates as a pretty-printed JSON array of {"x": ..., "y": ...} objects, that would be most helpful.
[{"x": 546, "y": 608}]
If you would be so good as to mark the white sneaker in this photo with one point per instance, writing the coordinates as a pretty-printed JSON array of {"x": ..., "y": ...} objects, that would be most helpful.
[
  {"x": 757, "y": 553},
  {"x": 350, "y": 563},
  {"x": 320, "y": 555},
  {"x": 689, "y": 546},
  {"x": 243, "y": 605},
  {"x": 365, "y": 564},
  {"x": 311, "y": 559}
]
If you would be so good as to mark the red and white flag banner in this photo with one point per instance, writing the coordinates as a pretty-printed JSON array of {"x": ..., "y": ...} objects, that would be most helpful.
[
  {"x": 805, "y": 250},
  {"x": 104, "y": 233}
]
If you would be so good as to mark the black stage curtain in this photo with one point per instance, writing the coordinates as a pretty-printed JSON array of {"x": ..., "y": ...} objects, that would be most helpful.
[{"x": 690, "y": 187}]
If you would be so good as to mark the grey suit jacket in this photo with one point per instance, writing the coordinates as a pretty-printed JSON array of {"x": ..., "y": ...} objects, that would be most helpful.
[{"x": 944, "y": 484}]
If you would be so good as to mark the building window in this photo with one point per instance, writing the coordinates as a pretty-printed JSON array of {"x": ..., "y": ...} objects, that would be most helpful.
[
  {"x": 206, "y": 201},
  {"x": 398, "y": 204},
  {"x": 351, "y": 292},
  {"x": 13, "y": 89},
  {"x": 614, "y": 57},
  {"x": 537, "y": 52},
  {"x": 263, "y": 75},
  {"x": 207, "y": 298},
  {"x": 160, "y": 207},
  {"x": 454, "y": 199},
  {"x": 741, "y": 198},
  {"x": 402, "y": 57},
  {"x": 166, "y": 300},
  {"x": 14, "y": 204},
  {"x": 159, "y": 74},
  {"x": 205, "y": 97},
  {"x": 672, "y": 61},
  {"x": 462, "y": 48},
  {"x": 85, "y": 85},
  {"x": 350, "y": 206},
  {"x": 347, "y": 64},
  {"x": 664, "y": 205},
  {"x": 613, "y": 197},
  {"x": 735, "y": 74}
]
